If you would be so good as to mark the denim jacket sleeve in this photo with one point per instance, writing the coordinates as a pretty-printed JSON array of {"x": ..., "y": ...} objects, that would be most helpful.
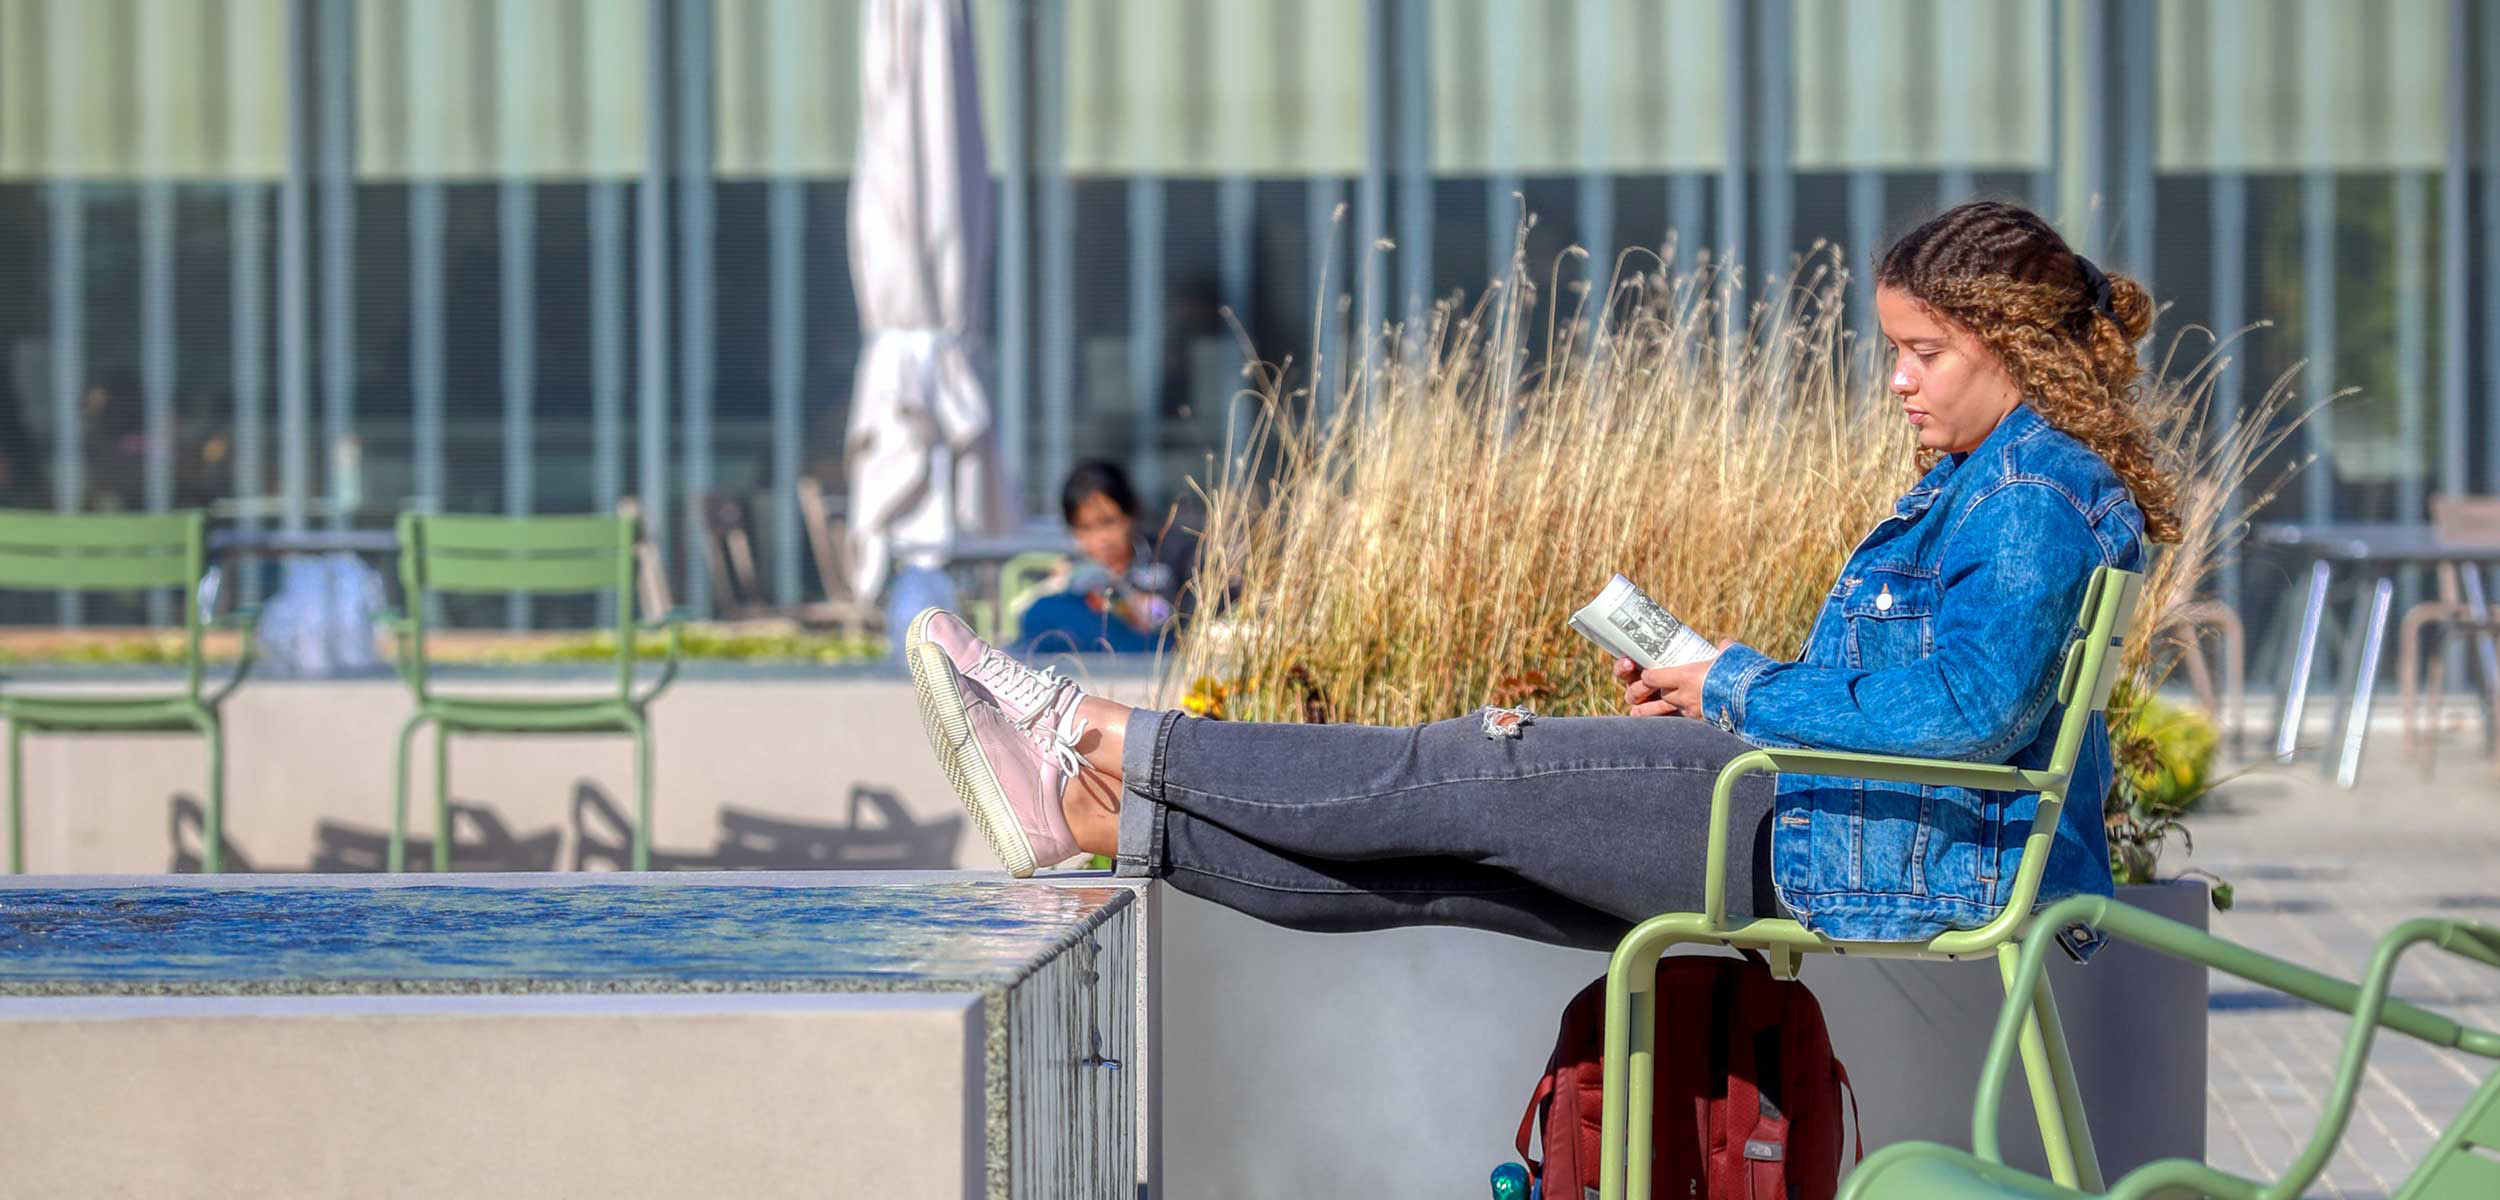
[{"x": 2011, "y": 574}]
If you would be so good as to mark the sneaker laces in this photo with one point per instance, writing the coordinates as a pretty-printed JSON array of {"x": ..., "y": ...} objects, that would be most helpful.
[
  {"x": 1036, "y": 693},
  {"x": 1018, "y": 684},
  {"x": 1059, "y": 741}
]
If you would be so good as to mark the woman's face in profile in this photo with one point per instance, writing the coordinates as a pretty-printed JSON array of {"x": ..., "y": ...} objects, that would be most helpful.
[
  {"x": 1952, "y": 388},
  {"x": 1103, "y": 533}
]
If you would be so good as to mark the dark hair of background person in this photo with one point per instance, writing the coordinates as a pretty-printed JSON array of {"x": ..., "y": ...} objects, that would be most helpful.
[
  {"x": 1096, "y": 478},
  {"x": 2065, "y": 331}
]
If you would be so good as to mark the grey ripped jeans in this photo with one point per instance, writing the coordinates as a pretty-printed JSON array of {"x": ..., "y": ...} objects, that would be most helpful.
[{"x": 1568, "y": 833}]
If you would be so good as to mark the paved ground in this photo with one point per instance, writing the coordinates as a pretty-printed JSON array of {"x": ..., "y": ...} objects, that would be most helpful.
[{"x": 2320, "y": 873}]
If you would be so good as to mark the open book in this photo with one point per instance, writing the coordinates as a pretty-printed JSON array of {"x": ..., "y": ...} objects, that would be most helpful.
[{"x": 1625, "y": 622}]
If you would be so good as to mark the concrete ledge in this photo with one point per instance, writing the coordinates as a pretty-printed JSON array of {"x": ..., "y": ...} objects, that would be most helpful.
[
  {"x": 983, "y": 1038},
  {"x": 506, "y": 1095}
]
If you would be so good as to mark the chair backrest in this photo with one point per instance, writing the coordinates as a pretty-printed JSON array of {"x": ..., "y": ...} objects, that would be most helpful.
[
  {"x": 825, "y": 539},
  {"x": 1022, "y": 581},
  {"x": 2466, "y": 520},
  {"x": 2090, "y": 670},
  {"x": 528, "y": 555},
  {"x": 650, "y": 574},
  {"x": 43, "y": 551},
  {"x": 48, "y": 551},
  {"x": 729, "y": 546}
]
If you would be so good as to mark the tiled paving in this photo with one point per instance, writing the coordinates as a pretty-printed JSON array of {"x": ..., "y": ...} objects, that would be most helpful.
[{"x": 2320, "y": 873}]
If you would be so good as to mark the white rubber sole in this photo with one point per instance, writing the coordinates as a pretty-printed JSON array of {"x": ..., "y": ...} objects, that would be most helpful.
[{"x": 944, "y": 717}]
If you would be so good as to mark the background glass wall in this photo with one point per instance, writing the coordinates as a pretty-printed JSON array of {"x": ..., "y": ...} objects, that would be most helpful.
[{"x": 310, "y": 261}]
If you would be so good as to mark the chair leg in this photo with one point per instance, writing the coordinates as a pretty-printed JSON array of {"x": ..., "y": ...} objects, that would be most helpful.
[
  {"x": 1640, "y": 1104},
  {"x": 442, "y": 799},
  {"x": 2409, "y": 636},
  {"x": 642, "y": 793},
  {"x": 17, "y": 798},
  {"x": 1630, "y": 1066},
  {"x": 397, "y": 860},
  {"x": 212, "y": 854},
  {"x": 2056, "y": 1102}
]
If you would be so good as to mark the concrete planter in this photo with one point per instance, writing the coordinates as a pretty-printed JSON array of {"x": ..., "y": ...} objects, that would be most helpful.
[{"x": 1397, "y": 1063}]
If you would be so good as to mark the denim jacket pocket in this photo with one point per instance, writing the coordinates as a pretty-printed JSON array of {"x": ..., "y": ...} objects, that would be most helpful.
[{"x": 1890, "y": 618}]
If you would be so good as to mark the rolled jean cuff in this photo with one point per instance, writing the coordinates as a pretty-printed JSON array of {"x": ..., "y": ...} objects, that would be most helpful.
[{"x": 1141, "y": 784}]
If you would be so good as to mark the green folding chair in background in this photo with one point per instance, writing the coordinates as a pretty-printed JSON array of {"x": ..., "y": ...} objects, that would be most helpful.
[
  {"x": 2462, "y": 1164},
  {"x": 2090, "y": 669},
  {"x": 528, "y": 556},
  {"x": 77, "y": 552}
]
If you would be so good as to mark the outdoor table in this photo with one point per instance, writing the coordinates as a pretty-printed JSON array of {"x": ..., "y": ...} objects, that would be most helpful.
[
  {"x": 356, "y": 622},
  {"x": 302, "y": 541},
  {"x": 2375, "y": 549}
]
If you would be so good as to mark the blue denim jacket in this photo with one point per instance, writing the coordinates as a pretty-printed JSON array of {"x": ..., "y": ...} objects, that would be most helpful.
[{"x": 1941, "y": 639}]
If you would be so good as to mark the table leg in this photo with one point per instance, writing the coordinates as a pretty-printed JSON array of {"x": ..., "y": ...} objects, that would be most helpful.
[
  {"x": 2372, "y": 632},
  {"x": 2304, "y": 653},
  {"x": 2486, "y": 651}
]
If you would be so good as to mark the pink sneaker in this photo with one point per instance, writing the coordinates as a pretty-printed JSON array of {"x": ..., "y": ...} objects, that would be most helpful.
[
  {"x": 1029, "y": 697},
  {"x": 1010, "y": 775}
]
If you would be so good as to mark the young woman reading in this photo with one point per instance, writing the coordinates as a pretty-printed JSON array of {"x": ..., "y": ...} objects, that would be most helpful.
[{"x": 2014, "y": 359}]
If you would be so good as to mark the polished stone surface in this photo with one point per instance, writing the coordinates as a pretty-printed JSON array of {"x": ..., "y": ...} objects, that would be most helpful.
[{"x": 655, "y": 937}]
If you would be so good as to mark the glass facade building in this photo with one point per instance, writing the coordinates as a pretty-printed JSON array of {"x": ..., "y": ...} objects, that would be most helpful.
[{"x": 310, "y": 261}]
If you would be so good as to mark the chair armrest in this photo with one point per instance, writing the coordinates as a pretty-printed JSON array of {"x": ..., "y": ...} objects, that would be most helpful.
[
  {"x": 1934, "y": 772},
  {"x": 672, "y": 623},
  {"x": 244, "y": 619},
  {"x": 2367, "y": 1001}
]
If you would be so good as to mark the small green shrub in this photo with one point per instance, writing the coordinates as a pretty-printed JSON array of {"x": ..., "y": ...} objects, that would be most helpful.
[{"x": 2163, "y": 755}]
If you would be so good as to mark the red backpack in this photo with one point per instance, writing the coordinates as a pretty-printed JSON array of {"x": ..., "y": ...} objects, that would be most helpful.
[{"x": 1748, "y": 1092}]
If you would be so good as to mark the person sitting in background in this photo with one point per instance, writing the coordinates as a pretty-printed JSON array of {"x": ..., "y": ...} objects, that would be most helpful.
[{"x": 1130, "y": 593}]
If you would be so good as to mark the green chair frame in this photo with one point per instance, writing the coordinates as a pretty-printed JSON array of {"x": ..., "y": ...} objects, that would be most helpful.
[
  {"x": 2456, "y": 1168},
  {"x": 522, "y": 555},
  {"x": 1020, "y": 582},
  {"x": 2089, "y": 670},
  {"x": 79, "y": 552}
]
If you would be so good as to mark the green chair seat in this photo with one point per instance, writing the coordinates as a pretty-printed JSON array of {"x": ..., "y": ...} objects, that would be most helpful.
[
  {"x": 61, "y": 714},
  {"x": 527, "y": 556},
  {"x": 2083, "y": 687},
  {"x": 534, "y": 716},
  {"x": 1930, "y": 1171},
  {"x": 82, "y": 552}
]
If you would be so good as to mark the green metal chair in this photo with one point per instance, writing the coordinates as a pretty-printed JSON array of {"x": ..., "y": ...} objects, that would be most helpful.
[
  {"x": 42, "y": 551},
  {"x": 1021, "y": 581},
  {"x": 530, "y": 555},
  {"x": 2090, "y": 669},
  {"x": 2463, "y": 1164}
]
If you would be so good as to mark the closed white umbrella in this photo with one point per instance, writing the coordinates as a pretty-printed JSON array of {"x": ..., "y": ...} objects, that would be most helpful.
[{"x": 922, "y": 446}]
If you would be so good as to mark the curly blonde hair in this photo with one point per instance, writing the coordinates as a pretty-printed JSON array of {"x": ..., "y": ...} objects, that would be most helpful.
[{"x": 2066, "y": 332}]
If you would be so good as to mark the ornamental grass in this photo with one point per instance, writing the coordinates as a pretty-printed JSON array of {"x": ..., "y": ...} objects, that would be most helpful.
[{"x": 1407, "y": 547}]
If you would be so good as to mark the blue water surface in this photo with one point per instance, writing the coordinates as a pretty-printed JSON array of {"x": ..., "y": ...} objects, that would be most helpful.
[{"x": 662, "y": 934}]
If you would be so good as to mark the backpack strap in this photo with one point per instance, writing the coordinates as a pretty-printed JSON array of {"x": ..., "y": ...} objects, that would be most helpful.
[
  {"x": 1857, "y": 1127},
  {"x": 1527, "y": 1123}
]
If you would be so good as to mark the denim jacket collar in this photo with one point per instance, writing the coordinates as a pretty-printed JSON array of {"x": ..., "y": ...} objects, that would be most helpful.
[{"x": 2017, "y": 424}]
